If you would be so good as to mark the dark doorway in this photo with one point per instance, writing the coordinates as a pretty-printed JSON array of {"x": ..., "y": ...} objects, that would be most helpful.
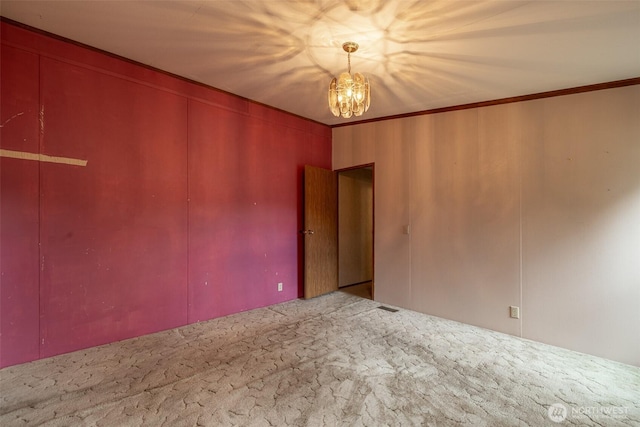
[{"x": 356, "y": 230}]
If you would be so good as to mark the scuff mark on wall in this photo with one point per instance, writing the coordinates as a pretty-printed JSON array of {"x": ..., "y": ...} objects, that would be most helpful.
[
  {"x": 23, "y": 155},
  {"x": 42, "y": 119},
  {"x": 11, "y": 118}
]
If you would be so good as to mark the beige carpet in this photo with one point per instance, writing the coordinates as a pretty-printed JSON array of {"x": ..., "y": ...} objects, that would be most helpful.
[{"x": 335, "y": 360}]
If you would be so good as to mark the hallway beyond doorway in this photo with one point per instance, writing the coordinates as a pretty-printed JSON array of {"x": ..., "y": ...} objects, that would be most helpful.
[{"x": 362, "y": 290}]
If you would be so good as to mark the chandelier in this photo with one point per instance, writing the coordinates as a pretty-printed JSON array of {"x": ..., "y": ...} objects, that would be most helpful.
[{"x": 349, "y": 95}]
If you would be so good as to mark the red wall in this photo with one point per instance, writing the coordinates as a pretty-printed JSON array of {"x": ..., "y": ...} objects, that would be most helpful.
[{"x": 188, "y": 207}]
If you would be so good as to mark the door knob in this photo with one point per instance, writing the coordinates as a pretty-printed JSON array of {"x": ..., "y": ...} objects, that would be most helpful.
[{"x": 306, "y": 231}]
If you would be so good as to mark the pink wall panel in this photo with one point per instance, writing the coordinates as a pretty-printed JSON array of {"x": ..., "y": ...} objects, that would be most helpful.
[
  {"x": 113, "y": 232},
  {"x": 242, "y": 213},
  {"x": 124, "y": 252},
  {"x": 19, "y": 274}
]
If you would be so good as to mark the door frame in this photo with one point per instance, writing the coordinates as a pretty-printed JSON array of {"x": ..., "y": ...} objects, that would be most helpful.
[{"x": 373, "y": 219}]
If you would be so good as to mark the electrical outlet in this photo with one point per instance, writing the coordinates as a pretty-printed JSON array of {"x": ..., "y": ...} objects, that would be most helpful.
[
  {"x": 280, "y": 287},
  {"x": 514, "y": 312}
]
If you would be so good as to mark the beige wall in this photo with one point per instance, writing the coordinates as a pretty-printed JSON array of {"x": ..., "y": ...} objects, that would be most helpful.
[
  {"x": 355, "y": 226},
  {"x": 534, "y": 204}
]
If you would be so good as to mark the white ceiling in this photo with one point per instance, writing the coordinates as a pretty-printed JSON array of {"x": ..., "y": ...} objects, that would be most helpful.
[{"x": 419, "y": 55}]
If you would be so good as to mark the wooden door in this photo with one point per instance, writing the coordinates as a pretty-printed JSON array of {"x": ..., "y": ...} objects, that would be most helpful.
[{"x": 321, "y": 232}]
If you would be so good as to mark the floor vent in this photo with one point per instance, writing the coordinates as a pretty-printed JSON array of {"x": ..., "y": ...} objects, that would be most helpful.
[{"x": 393, "y": 310}]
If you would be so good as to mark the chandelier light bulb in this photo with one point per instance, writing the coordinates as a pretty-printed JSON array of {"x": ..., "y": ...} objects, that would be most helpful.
[{"x": 349, "y": 95}]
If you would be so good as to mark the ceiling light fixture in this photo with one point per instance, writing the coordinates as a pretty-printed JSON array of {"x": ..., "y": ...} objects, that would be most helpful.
[{"x": 349, "y": 95}]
